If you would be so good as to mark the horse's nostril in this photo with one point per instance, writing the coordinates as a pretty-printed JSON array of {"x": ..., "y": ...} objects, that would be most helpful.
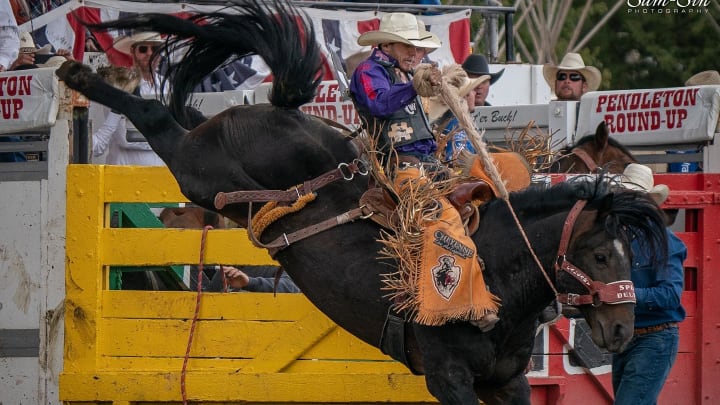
[{"x": 621, "y": 333}]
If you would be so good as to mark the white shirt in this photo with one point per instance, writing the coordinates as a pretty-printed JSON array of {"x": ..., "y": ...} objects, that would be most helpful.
[
  {"x": 9, "y": 36},
  {"x": 111, "y": 137}
]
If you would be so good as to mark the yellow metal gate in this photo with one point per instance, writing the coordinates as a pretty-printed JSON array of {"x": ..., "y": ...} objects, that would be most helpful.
[{"x": 127, "y": 347}]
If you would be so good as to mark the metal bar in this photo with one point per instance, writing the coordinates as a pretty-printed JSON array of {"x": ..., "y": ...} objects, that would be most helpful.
[{"x": 509, "y": 43}]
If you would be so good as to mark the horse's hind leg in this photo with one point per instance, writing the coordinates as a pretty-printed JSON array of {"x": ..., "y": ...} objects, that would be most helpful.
[
  {"x": 147, "y": 115},
  {"x": 81, "y": 78}
]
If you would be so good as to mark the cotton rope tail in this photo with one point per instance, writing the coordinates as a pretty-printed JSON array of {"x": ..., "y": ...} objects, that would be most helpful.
[
  {"x": 421, "y": 82},
  {"x": 203, "y": 240}
]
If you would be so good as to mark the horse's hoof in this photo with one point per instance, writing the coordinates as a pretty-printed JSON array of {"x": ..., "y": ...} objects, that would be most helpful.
[
  {"x": 74, "y": 74},
  {"x": 487, "y": 322}
]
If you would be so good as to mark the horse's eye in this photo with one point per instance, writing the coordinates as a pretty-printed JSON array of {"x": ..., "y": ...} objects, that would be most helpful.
[{"x": 600, "y": 258}]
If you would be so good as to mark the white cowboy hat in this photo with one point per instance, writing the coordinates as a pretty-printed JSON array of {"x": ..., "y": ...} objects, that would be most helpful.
[
  {"x": 640, "y": 177},
  {"x": 702, "y": 78},
  {"x": 573, "y": 61},
  {"x": 54, "y": 61},
  {"x": 27, "y": 45},
  {"x": 458, "y": 79},
  {"x": 125, "y": 44},
  {"x": 433, "y": 39},
  {"x": 400, "y": 27}
]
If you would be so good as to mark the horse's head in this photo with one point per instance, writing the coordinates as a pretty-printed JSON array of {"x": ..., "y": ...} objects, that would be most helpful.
[
  {"x": 593, "y": 152},
  {"x": 594, "y": 274}
]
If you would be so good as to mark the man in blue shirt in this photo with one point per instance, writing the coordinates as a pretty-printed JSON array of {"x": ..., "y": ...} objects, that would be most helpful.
[
  {"x": 383, "y": 92},
  {"x": 640, "y": 371}
]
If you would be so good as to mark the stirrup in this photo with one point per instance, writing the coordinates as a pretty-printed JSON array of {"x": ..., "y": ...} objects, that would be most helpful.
[{"x": 487, "y": 322}]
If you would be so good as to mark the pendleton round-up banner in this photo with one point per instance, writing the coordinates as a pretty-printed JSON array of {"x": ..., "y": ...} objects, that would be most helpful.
[
  {"x": 28, "y": 99},
  {"x": 650, "y": 117}
]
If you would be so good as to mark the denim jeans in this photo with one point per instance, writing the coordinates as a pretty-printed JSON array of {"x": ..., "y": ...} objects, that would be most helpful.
[{"x": 639, "y": 372}]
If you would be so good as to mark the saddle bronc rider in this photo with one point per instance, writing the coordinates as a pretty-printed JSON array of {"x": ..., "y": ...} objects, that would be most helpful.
[{"x": 384, "y": 95}]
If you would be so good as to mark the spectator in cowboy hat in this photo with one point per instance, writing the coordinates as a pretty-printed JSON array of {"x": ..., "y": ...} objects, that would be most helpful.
[
  {"x": 711, "y": 77},
  {"x": 117, "y": 138},
  {"x": 31, "y": 57},
  {"x": 571, "y": 78},
  {"x": 29, "y": 54},
  {"x": 141, "y": 47},
  {"x": 640, "y": 371},
  {"x": 476, "y": 66}
]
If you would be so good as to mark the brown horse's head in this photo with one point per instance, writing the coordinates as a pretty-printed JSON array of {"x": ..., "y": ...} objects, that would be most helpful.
[
  {"x": 593, "y": 152},
  {"x": 595, "y": 272}
]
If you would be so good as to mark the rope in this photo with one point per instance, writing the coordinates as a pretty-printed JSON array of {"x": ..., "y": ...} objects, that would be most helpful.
[
  {"x": 453, "y": 101},
  {"x": 203, "y": 240},
  {"x": 270, "y": 212}
]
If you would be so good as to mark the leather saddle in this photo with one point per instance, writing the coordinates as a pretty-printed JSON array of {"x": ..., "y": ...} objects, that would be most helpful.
[{"x": 381, "y": 204}]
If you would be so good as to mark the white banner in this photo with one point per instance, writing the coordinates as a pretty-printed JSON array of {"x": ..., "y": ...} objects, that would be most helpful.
[
  {"x": 329, "y": 103},
  {"x": 651, "y": 117},
  {"x": 28, "y": 99}
]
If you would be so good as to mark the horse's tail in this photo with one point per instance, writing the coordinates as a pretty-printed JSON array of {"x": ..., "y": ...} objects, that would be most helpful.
[{"x": 277, "y": 32}]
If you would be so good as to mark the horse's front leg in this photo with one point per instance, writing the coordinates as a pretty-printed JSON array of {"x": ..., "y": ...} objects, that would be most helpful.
[
  {"x": 515, "y": 392},
  {"x": 450, "y": 381},
  {"x": 445, "y": 354}
]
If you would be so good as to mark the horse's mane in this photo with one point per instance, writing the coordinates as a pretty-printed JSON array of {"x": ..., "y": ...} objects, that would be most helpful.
[
  {"x": 630, "y": 214},
  {"x": 277, "y": 31}
]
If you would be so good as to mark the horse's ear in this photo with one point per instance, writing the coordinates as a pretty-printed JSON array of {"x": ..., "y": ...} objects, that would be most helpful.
[{"x": 601, "y": 136}]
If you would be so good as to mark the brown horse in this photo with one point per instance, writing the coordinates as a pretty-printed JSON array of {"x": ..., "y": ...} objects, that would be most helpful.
[
  {"x": 592, "y": 153},
  {"x": 267, "y": 150}
]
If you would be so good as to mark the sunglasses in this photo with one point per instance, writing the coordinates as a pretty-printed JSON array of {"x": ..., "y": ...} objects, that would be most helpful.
[
  {"x": 145, "y": 48},
  {"x": 574, "y": 77}
]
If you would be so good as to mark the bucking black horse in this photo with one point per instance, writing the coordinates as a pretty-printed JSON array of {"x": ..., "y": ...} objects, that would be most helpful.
[{"x": 272, "y": 148}]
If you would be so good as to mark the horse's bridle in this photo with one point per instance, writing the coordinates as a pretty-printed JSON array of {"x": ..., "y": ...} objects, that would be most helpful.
[
  {"x": 585, "y": 157},
  {"x": 618, "y": 292}
]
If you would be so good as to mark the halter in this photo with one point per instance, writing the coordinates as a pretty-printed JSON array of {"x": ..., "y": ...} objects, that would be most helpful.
[
  {"x": 585, "y": 157},
  {"x": 617, "y": 292}
]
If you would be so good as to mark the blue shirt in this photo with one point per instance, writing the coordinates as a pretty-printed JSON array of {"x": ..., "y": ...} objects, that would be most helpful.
[
  {"x": 458, "y": 142},
  {"x": 658, "y": 291}
]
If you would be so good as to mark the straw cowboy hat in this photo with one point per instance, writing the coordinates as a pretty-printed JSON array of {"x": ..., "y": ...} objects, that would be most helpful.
[
  {"x": 458, "y": 79},
  {"x": 640, "y": 177},
  {"x": 478, "y": 65},
  {"x": 573, "y": 61},
  {"x": 400, "y": 27},
  {"x": 125, "y": 44},
  {"x": 433, "y": 38},
  {"x": 27, "y": 45},
  {"x": 702, "y": 78},
  {"x": 54, "y": 61}
]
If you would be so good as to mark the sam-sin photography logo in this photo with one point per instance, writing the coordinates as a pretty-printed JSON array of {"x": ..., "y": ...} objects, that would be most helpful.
[{"x": 668, "y": 6}]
